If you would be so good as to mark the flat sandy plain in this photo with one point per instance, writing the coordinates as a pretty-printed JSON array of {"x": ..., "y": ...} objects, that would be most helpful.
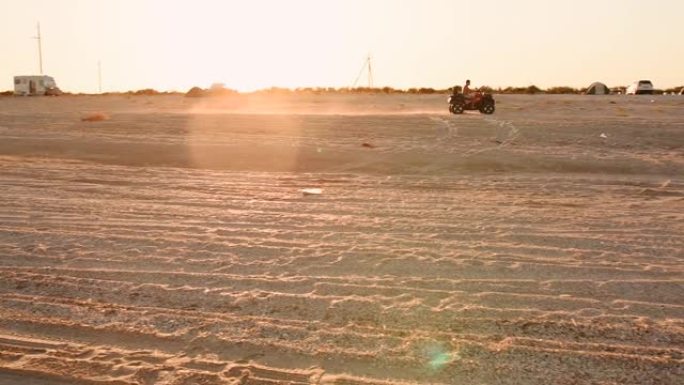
[{"x": 172, "y": 244}]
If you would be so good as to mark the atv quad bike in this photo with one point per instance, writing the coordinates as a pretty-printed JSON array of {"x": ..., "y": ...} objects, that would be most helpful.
[{"x": 483, "y": 102}]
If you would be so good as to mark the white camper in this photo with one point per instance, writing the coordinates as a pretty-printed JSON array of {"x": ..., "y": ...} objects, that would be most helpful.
[{"x": 35, "y": 85}]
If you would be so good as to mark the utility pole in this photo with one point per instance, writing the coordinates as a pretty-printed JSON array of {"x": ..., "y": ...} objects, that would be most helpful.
[
  {"x": 370, "y": 73},
  {"x": 366, "y": 65},
  {"x": 40, "y": 50}
]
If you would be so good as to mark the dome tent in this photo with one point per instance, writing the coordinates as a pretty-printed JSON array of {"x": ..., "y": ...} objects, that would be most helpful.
[{"x": 597, "y": 88}]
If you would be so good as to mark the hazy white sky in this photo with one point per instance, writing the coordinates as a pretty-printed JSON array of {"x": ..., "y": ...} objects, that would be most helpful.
[{"x": 250, "y": 44}]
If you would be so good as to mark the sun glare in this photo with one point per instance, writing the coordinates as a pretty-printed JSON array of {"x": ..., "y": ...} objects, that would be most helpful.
[{"x": 250, "y": 46}]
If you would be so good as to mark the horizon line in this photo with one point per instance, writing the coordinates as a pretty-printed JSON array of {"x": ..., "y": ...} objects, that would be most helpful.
[{"x": 219, "y": 87}]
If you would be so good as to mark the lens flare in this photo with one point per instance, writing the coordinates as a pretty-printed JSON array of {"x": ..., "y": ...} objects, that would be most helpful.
[{"x": 439, "y": 357}]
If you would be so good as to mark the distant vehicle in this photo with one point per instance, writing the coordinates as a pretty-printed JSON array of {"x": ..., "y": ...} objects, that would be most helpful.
[
  {"x": 681, "y": 92},
  {"x": 484, "y": 102},
  {"x": 35, "y": 85},
  {"x": 642, "y": 87}
]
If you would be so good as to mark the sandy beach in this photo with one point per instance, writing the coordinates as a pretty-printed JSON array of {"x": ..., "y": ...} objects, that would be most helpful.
[{"x": 171, "y": 243}]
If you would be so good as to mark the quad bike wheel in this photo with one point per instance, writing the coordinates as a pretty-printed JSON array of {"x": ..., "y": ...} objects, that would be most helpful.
[
  {"x": 456, "y": 108},
  {"x": 487, "y": 109}
]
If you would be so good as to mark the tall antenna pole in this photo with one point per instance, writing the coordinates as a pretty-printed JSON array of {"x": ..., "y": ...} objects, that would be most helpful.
[
  {"x": 366, "y": 64},
  {"x": 370, "y": 73},
  {"x": 40, "y": 50},
  {"x": 99, "y": 75}
]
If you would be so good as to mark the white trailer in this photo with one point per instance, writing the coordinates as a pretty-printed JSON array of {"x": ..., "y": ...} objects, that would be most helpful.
[{"x": 35, "y": 85}]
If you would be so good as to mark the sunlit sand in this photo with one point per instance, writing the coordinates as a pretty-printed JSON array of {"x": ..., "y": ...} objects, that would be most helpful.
[{"x": 173, "y": 241}]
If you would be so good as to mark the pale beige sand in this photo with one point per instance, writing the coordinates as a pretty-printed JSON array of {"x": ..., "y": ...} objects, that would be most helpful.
[{"x": 171, "y": 242}]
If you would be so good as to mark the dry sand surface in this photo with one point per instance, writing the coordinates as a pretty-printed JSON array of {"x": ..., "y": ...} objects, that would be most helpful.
[{"x": 169, "y": 242}]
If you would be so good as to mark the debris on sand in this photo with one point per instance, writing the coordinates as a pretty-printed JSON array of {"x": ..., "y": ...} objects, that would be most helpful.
[
  {"x": 95, "y": 117},
  {"x": 312, "y": 191},
  {"x": 660, "y": 192},
  {"x": 604, "y": 136},
  {"x": 368, "y": 145}
]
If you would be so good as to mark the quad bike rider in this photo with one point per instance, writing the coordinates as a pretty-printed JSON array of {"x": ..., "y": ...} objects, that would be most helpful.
[{"x": 471, "y": 100}]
